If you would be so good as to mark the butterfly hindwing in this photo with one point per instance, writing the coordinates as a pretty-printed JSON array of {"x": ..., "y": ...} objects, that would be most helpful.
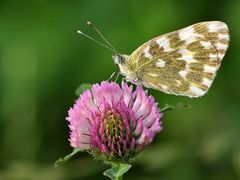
[{"x": 182, "y": 62}]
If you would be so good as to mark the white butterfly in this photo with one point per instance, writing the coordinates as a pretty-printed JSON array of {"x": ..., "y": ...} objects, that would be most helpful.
[{"x": 183, "y": 62}]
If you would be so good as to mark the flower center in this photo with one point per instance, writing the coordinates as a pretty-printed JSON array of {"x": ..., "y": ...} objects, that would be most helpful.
[
  {"x": 113, "y": 140},
  {"x": 113, "y": 125}
]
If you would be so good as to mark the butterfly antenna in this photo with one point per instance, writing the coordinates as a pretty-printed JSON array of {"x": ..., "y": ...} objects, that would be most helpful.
[
  {"x": 91, "y": 38},
  {"x": 101, "y": 35}
]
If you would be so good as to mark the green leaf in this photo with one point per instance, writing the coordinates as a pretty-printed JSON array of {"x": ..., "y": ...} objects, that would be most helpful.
[
  {"x": 177, "y": 107},
  {"x": 82, "y": 88},
  {"x": 60, "y": 161},
  {"x": 117, "y": 171}
]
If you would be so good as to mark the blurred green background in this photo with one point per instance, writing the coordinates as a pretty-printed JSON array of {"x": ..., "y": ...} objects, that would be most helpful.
[{"x": 43, "y": 60}]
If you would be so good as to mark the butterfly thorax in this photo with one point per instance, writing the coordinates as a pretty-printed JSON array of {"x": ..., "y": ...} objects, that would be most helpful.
[{"x": 126, "y": 67}]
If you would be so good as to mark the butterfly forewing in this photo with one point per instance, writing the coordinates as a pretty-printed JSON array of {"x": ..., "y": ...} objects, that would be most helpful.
[{"x": 182, "y": 62}]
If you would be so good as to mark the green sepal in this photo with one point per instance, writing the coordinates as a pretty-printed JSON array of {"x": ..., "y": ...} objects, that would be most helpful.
[
  {"x": 60, "y": 161},
  {"x": 82, "y": 88},
  {"x": 117, "y": 171}
]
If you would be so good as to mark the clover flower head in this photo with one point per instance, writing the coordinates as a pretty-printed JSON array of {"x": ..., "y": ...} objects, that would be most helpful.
[{"x": 114, "y": 123}]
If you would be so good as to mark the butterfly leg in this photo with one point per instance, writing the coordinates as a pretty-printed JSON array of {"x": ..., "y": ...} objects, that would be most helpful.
[
  {"x": 111, "y": 76},
  {"x": 135, "y": 81},
  {"x": 117, "y": 77}
]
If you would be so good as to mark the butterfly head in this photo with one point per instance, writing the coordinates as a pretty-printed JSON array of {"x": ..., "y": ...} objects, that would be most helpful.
[
  {"x": 122, "y": 61},
  {"x": 119, "y": 59}
]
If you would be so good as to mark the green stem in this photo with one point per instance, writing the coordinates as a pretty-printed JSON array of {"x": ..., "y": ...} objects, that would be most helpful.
[
  {"x": 118, "y": 178},
  {"x": 177, "y": 107},
  {"x": 66, "y": 158},
  {"x": 167, "y": 108}
]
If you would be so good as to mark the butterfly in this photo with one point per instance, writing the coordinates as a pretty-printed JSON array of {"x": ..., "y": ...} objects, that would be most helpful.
[{"x": 184, "y": 62}]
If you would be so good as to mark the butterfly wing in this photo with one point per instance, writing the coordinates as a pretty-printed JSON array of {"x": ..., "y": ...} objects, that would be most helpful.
[{"x": 183, "y": 62}]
